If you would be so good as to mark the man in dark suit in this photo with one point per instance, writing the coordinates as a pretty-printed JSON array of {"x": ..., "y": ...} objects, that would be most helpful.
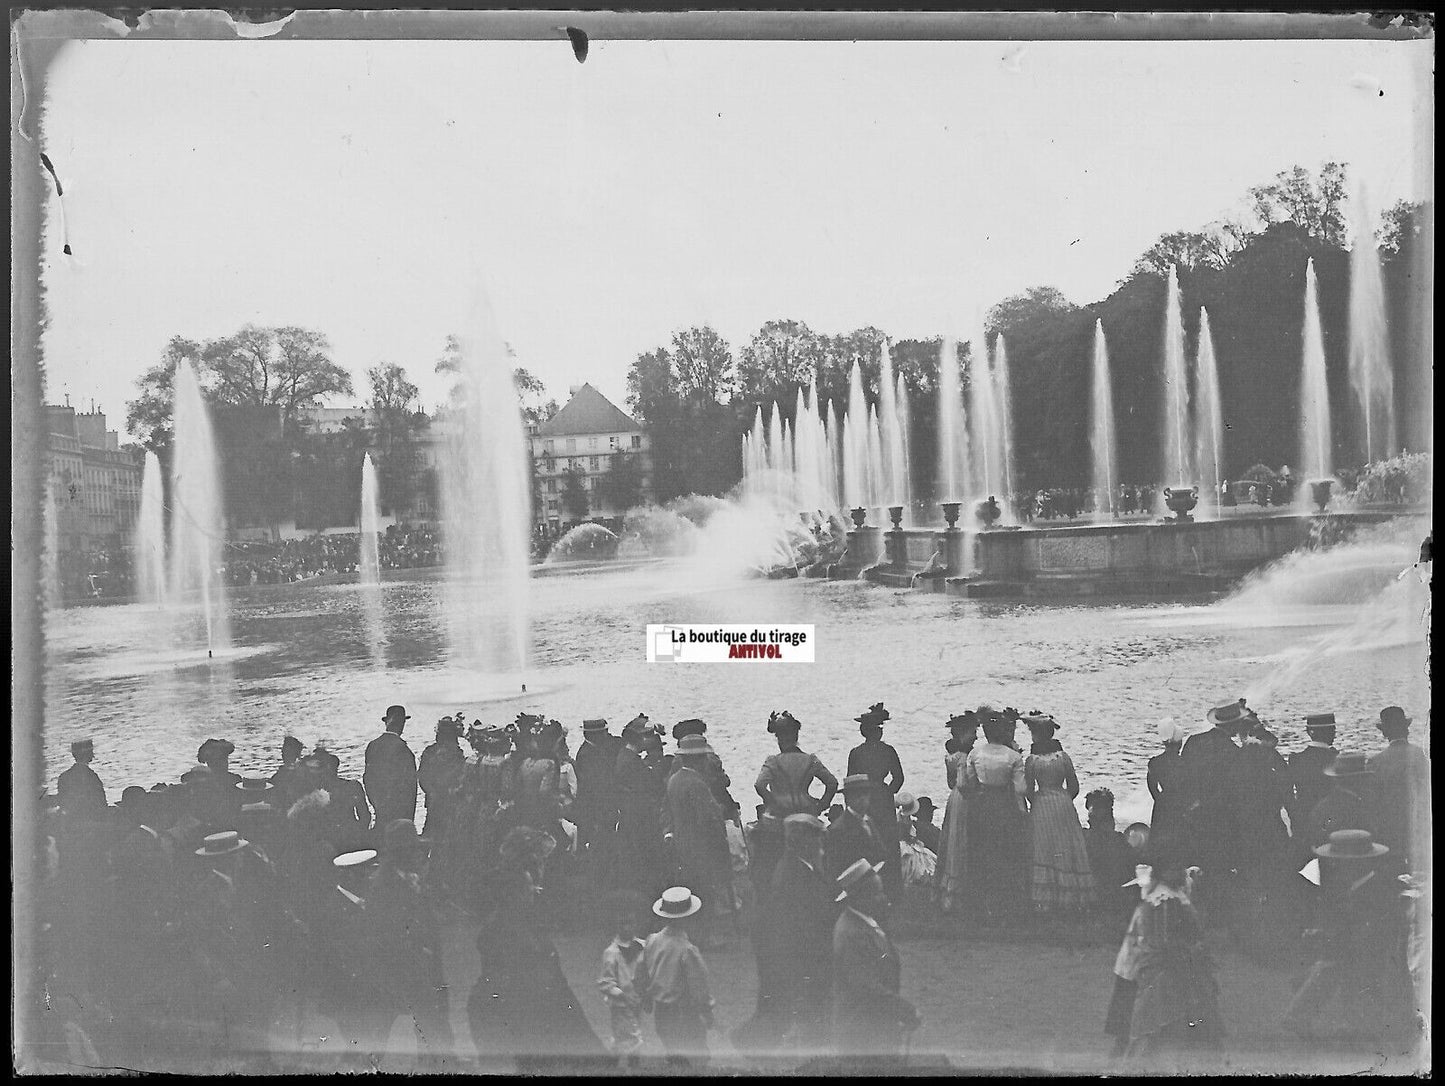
[
  {"x": 79, "y": 790},
  {"x": 852, "y": 836},
  {"x": 799, "y": 931},
  {"x": 596, "y": 806},
  {"x": 1307, "y": 768},
  {"x": 870, "y": 1018},
  {"x": 1402, "y": 782},
  {"x": 1349, "y": 805},
  {"x": 390, "y": 775},
  {"x": 1209, "y": 770},
  {"x": 640, "y": 790}
]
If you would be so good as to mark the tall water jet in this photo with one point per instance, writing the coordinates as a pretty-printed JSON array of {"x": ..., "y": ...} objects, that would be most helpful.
[
  {"x": 905, "y": 446},
  {"x": 1208, "y": 419},
  {"x": 197, "y": 521},
  {"x": 777, "y": 455},
  {"x": 150, "y": 535},
  {"x": 1371, "y": 378},
  {"x": 856, "y": 482},
  {"x": 838, "y": 454},
  {"x": 486, "y": 506},
  {"x": 893, "y": 483},
  {"x": 876, "y": 497},
  {"x": 1101, "y": 439},
  {"x": 1003, "y": 415},
  {"x": 1177, "y": 459},
  {"x": 1315, "y": 461},
  {"x": 951, "y": 482},
  {"x": 985, "y": 444},
  {"x": 370, "y": 519}
]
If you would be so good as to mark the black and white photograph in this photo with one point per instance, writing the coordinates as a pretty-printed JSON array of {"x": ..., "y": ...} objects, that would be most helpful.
[{"x": 412, "y": 412}]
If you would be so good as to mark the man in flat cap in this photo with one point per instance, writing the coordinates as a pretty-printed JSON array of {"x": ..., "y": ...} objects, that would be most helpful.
[
  {"x": 390, "y": 774},
  {"x": 799, "y": 931}
]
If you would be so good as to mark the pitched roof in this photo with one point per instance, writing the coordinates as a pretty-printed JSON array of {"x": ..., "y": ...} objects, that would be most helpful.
[{"x": 588, "y": 412}]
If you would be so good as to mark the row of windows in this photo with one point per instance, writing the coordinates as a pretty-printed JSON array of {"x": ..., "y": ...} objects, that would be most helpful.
[
  {"x": 593, "y": 444},
  {"x": 547, "y": 465}
]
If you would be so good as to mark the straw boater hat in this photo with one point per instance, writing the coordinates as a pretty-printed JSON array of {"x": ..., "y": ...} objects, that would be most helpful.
[
  {"x": 1319, "y": 721},
  {"x": 906, "y": 803},
  {"x": 348, "y": 860},
  {"x": 693, "y": 744},
  {"x": 1350, "y": 845},
  {"x": 596, "y": 726},
  {"x": 676, "y": 903},
  {"x": 803, "y": 823},
  {"x": 1348, "y": 763},
  {"x": 856, "y": 780},
  {"x": 1233, "y": 715},
  {"x": 857, "y": 872},
  {"x": 253, "y": 785},
  {"x": 221, "y": 844}
]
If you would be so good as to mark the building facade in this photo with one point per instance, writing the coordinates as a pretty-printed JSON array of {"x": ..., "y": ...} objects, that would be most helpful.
[
  {"x": 593, "y": 445},
  {"x": 93, "y": 487}
]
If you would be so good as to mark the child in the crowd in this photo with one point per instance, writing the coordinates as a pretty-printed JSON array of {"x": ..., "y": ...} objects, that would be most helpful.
[
  {"x": 1138, "y": 835},
  {"x": 677, "y": 979},
  {"x": 623, "y": 989}
]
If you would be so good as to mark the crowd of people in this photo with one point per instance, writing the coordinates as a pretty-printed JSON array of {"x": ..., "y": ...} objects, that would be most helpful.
[
  {"x": 200, "y": 911},
  {"x": 400, "y": 546}
]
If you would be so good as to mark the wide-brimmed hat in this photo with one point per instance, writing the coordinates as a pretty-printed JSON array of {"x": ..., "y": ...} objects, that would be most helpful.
[
  {"x": 354, "y": 859},
  {"x": 783, "y": 721},
  {"x": 1040, "y": 720},
  {"x": 1349, "y": 763},
  {"x": 1171, "y": 731},
  {"x": 594, "y": 726},
  {"x": 1232, "y": 715},
  {"x": 692, "y": 726},
  {"x": 803, "y": 823},
  {"x": 676, "y": 902},
  {"x": 693, "y": 744},
  {"x": 1350, "y": 845},
  {"x": 906, "y": 803},
  {"x": 966, "y": 719},
  {"x": 1393, "y": 715},
  {"x": 857, "y": 872},
  {"x": 526, "y": 721},
  {"x": 1319, "y": 721},
  {"x": 876, "y": 714},
  {"x": 215, "y": 748},
  {"x": 856, "y": 781},
  {"x": 221, "y": 844}
]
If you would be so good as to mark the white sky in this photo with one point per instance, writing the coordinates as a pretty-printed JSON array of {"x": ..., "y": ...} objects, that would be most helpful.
[{"x": 353, "y": 187}]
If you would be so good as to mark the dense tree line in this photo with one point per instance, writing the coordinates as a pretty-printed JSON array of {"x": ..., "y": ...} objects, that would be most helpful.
[{"x": 1248, "y": 269}]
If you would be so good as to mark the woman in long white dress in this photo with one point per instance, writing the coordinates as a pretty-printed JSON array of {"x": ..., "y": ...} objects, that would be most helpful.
[{"x": 952, "y": 865}]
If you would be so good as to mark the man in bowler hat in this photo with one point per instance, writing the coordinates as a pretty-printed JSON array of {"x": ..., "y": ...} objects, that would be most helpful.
[
  {"x": 1308, "y": 782},
  {"x": 390, "y": 775}
]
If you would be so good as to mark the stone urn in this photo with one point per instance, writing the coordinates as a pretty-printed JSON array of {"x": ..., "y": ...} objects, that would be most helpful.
[
  {"x": 988, "y": 512},
  {"x": 950, "y": 514},
  {"x": 1181, "y": 499},
  {"x": 860, "y": 517},
  {"x": 895, "y": 514},
  {"x": 1320, "y": 489}
]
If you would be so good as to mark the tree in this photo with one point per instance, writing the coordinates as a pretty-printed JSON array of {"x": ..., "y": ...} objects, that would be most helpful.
[
  {"x": 289, "y": 367},
  {"x": 703, "y": 363},
  {"x": 782, "y": 355},
  {"x": 621, "y": 486},
  {"x": 397, "y": 422},
  {"x": 1314, "y": 202},
  {"x": 1034, "y": 304},
  {"x": 575, "y": 502},
  {"x": 531, "y": 392},
  {"x": 652, "y": 392}
]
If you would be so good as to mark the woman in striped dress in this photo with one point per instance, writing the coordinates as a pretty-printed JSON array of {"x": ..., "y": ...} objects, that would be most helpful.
[
  {"x": 953, "y": 837},
  {"x": 1061, "y": 879}
]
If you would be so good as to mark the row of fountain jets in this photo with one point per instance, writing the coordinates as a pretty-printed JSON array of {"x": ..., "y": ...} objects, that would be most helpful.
[{"x": 824, "y": 460}]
